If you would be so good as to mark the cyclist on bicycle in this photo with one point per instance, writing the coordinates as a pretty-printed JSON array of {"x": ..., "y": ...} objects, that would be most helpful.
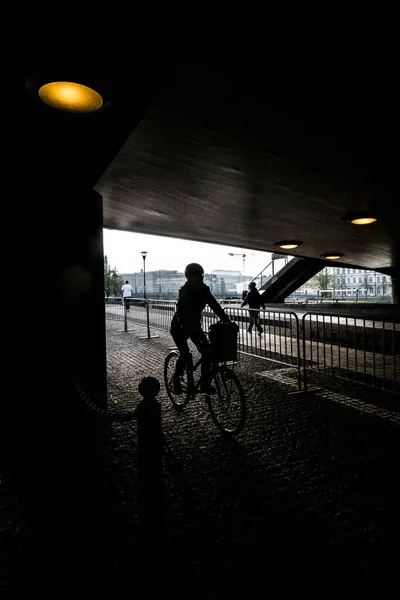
[{"x": 186, "y": 324}]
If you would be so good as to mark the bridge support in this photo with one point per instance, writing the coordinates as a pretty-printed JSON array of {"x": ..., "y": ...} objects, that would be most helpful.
[{"x": 396, "y": 290}]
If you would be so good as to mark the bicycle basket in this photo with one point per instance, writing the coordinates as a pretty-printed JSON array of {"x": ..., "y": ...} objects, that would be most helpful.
[{"x": 223, "y": 341}]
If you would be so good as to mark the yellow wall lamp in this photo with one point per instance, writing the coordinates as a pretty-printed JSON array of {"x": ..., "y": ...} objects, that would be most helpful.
[{"x": 71, "y": 94}]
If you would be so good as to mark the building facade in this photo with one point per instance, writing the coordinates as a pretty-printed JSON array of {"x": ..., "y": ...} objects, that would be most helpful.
[
  {"x": 350, "y": 284},
  {"x": 226, "y": 282},
  {"x": 358, "y": 283},
  {"x": 363, "y": 283},
  {"x": 165, "y": 284},
  {"x": 345, "y": 283},
  {"x": 159, "y": 284}
]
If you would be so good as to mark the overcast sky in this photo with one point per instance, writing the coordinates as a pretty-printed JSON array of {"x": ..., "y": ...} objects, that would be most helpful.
[{"x": 123, "y": 250}]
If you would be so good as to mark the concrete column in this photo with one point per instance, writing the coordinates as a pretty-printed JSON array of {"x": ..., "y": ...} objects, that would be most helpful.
[
  {"x": 78, "y": 311},
  {"x": 65, "y": 332},
  {"x": 396, "y": 290},
  {"x": 55, "y": 325}
]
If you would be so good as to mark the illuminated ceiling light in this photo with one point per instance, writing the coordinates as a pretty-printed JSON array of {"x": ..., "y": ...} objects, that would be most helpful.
[
  {"x": 288, "y": 245},
  {"x": 70, "y": 97},
  {"x": 361, "y": 218},
  {"x": 332, "y": 255}
]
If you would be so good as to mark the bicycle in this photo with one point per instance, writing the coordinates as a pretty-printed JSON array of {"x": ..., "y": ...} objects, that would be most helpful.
[{"x": 227, "y": 407}]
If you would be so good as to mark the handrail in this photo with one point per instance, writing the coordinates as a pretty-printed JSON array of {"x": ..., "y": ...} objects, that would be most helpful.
[{"x": 262, "y": 271}]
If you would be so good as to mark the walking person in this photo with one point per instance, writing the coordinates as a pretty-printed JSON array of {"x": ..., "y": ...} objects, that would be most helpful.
[
  {"x": 194, "y": 295},
  {"x": 127, "y": 292},
  {"x": 254, "y": 301}
]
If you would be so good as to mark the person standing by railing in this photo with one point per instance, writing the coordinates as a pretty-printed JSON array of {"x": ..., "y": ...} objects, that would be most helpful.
[
  {"x": 127, "y": 292},
  {"x": 254, "y": 301}
]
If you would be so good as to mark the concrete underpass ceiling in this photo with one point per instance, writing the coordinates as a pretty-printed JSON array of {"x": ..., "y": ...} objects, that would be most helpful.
[{"x": 226, "y": 151}]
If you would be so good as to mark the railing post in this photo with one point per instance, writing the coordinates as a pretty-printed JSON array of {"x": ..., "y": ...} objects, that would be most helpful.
[
  {"x": 149, "y": 336},
  {"x": 148, "y": 319},
  {"x": 125, "y": 316},
  {"x": 304, "y": 352},
  {"x": 298, "y": 333}
]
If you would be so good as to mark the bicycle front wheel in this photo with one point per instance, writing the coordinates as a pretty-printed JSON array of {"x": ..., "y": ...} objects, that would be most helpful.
[
  {"x": 178, "y": 400},
  {"x": 228, "y": 406}
]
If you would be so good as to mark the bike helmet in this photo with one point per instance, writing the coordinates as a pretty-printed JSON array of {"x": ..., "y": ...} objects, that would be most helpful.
[{"x": 194, "y": 269}]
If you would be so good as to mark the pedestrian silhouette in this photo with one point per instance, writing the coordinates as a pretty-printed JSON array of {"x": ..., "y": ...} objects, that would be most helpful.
[
  {"x": 127, "y": 292},
  {"x": 254, "y": 300}
]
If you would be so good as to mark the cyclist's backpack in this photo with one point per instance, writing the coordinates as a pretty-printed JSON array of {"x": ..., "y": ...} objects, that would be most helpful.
[{"x": 223, "y": 340}]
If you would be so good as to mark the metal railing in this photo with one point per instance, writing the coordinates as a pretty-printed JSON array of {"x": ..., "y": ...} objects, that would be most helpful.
[
  {"x": 357, "y": 348},
  {"x": 260, "y": 274},
  {"x": 155, "y": 313},
  {"x": 361, "y": 349},
  {"x": 279, "y": 340}
]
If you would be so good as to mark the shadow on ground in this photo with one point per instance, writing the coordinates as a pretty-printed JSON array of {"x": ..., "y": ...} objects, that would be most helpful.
[{"x": 306, "y": 498}]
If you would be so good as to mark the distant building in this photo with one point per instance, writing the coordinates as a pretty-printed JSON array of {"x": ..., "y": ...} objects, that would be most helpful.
[
  {"x": 346, "y": 282},
  {"x": 243, "y": 286},
  {"x": 227, "y": 281},
  {"x": 160, "y": 283},
  {"x": 349, "y": 283},
  {"x": 165, "y": 284}
]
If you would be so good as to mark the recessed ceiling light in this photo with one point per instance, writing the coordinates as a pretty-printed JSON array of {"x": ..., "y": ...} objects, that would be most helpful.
[
  {"x": 361, "y": 218},
  {"x": 288, "y": 244},
  {"x": 364, "y": 220},
  {"x": 332, "y": 255},
  {"x": 71, "y": 95}
]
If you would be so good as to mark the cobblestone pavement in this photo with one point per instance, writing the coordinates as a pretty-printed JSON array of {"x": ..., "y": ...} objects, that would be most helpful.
[{"x": 305, "y": 497}]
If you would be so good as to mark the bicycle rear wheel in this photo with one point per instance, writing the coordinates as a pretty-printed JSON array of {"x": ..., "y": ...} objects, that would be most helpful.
[
  {"x": 178, "y": 400},
  {"x": 228, "y": 406}
]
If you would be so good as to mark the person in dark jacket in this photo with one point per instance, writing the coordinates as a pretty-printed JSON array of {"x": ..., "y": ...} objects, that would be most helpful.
[
  {"x": 254, "y": 301},
  {"x": 193, "y": 296}
]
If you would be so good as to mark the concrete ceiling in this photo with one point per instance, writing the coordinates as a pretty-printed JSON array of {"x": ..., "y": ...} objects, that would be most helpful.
[{"x": 235, "y": 148}]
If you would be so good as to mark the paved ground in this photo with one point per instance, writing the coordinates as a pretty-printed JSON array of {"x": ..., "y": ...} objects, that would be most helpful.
[{"x": 306, "y": 498}]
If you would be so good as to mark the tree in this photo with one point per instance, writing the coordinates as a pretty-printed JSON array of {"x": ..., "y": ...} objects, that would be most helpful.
[
  {"x": 322, "y": 280},
  {"x": 112, "y": 280}
]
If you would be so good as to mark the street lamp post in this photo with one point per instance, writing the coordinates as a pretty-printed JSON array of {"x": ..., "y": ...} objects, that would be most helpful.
[{"x": 144, "y": 254}]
